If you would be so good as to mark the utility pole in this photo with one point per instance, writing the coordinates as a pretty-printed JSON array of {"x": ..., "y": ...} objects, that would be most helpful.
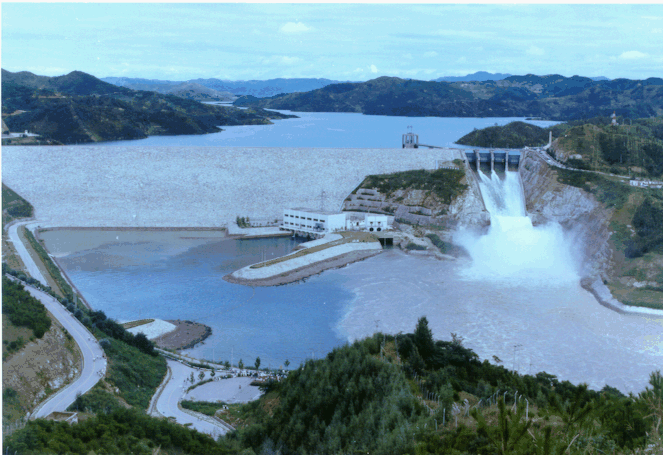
[{"x": 515, "y": 347}]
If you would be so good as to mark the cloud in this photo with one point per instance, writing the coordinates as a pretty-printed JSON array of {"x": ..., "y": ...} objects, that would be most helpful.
[
  {"x": 289, "y": 60},
  {"x": 294, "y": 27},
  {"x": 280, "y": 60},
  {"x": 430, "y": 54},
  {"x": 374, "y": 69},
  {"x": 533, "y": 50},
  {"x": 632, "y": 55},
  {"x": 408, "y": 56}
]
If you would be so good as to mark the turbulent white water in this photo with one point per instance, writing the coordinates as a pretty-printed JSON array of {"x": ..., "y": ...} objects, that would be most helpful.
[
  {"x": 513, "y": 248},
  {"x": 519, "y": 299}
]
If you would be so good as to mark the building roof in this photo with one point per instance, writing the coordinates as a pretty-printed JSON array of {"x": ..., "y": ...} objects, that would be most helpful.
[{"x": 319, "y": 212}]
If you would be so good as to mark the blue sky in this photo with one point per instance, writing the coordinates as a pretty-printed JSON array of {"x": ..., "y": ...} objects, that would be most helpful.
[{"x": 336, "y": 41}]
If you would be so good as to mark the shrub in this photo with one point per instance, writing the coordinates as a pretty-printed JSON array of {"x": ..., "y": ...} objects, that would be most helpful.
[{"x": 414, "y": 246}]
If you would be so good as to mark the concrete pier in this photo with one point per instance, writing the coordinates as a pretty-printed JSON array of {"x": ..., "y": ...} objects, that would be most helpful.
[{"x": 510, "y": 158}]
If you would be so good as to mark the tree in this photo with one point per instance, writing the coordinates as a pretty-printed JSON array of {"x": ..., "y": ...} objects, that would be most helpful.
[
  {"x": 257, "y": 363},
  {"x": 574, "y": 412},
  {"x": 511, "y": 428},
  {"x": 213, "y": 373},
  {"x": 653, "y": 399},
  {"x": 240, "y": 364},
  {"x": 287, "y": 363},
  {"x": 192, "y": 378},
  {"x": 201, "y": 375},
  {"x": 423, "y": 339}
]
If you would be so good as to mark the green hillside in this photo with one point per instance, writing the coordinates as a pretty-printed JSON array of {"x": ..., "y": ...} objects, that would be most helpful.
[
  {"x": 79, "y": 108},
  {"x": 396, "y": 395},
  {"x": 512, "y": 135},
  {"x": 553, "y": 97},
  {"x": 408, "y": 394},
  {"x": 634, "y": 147}
]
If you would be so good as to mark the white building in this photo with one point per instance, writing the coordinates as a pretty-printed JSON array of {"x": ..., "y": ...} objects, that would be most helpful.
[
  {"x": 646, "y": 183},
  {"x": 303, "y": 221}
]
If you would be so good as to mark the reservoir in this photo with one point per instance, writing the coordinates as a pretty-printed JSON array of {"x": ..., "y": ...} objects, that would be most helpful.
[
  {"x": 332, "y": 129},
  {"x": 178, "y": 275}
]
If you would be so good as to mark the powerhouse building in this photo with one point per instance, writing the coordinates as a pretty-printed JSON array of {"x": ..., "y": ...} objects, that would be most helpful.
[{"x": 317, "y": 223}]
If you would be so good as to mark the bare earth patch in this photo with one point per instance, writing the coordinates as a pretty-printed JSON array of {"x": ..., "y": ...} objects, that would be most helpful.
[
  {"x": 185, "y": 336},
  {"x": 42, "y": 367}
]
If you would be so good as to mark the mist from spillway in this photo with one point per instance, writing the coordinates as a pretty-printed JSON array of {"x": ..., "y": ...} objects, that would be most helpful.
[
  {"x": 517, "y": 298},
  {"x": 513, "y": 248}
]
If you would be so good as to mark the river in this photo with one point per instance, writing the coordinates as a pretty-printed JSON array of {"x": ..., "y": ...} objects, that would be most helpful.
[{"x": 519, "y": 300}]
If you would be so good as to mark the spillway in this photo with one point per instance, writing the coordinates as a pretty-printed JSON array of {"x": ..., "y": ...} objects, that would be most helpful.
[
  {"x": 513, "y": 247},
  {"x": 517, "y": 298}
]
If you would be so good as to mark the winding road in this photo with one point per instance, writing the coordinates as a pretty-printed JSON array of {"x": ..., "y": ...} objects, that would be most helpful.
[
  {"x": 172, "y": 393},
  {"x": 21, "y": 250},
  {"x": 94, "y": 362}
]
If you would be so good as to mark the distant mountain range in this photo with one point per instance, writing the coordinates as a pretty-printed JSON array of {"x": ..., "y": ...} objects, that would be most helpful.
[
  {"x": 189, "y": 90},
  {"x": 479, "y": 76},
  {"x": 483, "y": 76},
  {"x": 258, "y": 89},
  {"x": 78, "y": 107},
  {"x": 224, "y": 90},
  {"x": 553, "y": 96}
]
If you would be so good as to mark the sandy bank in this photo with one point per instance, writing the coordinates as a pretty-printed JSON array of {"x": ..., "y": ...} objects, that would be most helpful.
[{"x": 305, "y": 271}]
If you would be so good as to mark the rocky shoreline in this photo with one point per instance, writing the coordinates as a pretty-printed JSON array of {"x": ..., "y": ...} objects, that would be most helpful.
[{"x": 186, "y": 335}]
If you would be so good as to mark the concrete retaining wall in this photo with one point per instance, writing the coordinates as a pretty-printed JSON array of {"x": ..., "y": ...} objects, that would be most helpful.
[{"x": 191, "y": 186}]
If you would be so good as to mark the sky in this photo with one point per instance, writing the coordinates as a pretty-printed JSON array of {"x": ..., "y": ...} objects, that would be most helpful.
[{"x": 354, "y": 42}]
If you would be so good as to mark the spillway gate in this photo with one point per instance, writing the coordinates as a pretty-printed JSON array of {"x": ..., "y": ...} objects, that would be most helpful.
[{"x": 494, "y": 159}]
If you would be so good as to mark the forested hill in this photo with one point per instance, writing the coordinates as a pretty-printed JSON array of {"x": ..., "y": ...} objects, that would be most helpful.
[
  {"x": 512, "y": 135},
  {"x": 390, "y": 395},
  {"x": 79, "y": 108},
  {"x": 553, "y": 97}
]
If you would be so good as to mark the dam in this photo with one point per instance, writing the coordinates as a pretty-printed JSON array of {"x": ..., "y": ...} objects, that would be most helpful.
[
  {"x": 494, "y": 160},
  {"x": 519, "y": 288}
]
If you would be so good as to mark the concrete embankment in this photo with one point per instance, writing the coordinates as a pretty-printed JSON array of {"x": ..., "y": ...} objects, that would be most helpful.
[
  {"x": 603, "y": 295},
  {"x": 192, "y": 186},
  {"x": 305, "y": 262}
]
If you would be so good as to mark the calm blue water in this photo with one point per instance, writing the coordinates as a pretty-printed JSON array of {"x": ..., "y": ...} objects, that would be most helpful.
[
  {"x": 325, "y": 129},
  {"x": 146, "y": 279}
]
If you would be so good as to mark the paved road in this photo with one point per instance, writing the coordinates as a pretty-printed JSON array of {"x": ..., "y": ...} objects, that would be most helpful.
[
  {"x": 29, "y": 263},
  {"x": 94, "y": 364},
  {"x": 173, "y": 392}
]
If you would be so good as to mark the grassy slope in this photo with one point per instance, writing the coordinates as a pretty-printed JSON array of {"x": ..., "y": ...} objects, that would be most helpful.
[
  {"x": 626, "y": 201},
  {"x": 625, "y": 149}
]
